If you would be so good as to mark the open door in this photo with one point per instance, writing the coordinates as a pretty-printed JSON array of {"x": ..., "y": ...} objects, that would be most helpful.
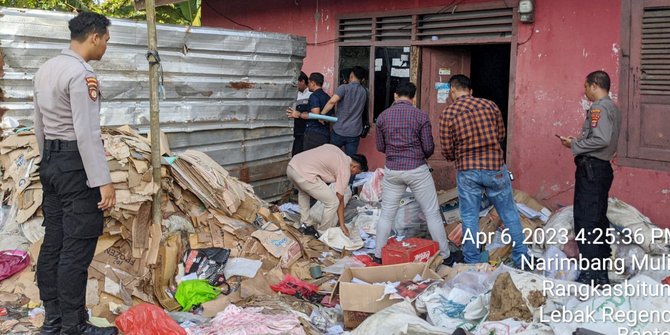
[{"x": 438, "y": 65}]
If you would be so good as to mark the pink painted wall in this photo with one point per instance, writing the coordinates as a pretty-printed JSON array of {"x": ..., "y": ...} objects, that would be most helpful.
[{"x": 569, "y": 39}]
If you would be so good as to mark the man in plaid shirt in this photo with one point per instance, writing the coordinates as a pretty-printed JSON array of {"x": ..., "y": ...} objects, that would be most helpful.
[
  {"x": 405, "y": 135},
  {"x": 471, "y": 130}
]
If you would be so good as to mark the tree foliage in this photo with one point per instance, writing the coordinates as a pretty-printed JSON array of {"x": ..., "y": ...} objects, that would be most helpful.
[{"x": 186, "y": 13}]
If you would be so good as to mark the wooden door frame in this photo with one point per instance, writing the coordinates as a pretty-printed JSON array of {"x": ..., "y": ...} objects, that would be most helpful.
[{"x": 512, "y": 40}]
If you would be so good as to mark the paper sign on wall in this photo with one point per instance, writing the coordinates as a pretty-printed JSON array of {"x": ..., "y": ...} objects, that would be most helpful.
[
  {"x": 442, "y": 92},
  {"x": 396, "y": 62},
  {"x": 405, "y": 49},
  {"x": 404, "y": 58},
  {"x": 402, "y": 73},
  {"x": 444, "y": 71}
]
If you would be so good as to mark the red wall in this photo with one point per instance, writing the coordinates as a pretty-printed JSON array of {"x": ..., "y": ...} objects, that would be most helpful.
[{"x": 569, "y": 39}]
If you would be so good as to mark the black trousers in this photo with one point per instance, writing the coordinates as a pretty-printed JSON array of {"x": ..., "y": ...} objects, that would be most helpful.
[
  {"x": 593, "y": 180},
  {"x": 297, "y": 144},
  {"x": 315, "y": 138},
  {"x": 73, "y": 224}
]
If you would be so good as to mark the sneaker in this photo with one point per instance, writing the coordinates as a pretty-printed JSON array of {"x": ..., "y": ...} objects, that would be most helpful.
[{"x": 308, "y": 230}]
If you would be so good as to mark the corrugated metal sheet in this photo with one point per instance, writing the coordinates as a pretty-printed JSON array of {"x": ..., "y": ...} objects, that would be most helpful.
[{"x": 226, "y": 91}]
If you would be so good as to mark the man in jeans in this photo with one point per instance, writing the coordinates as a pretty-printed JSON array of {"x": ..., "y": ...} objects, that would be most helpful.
[
  {"x": 350, "y": 100},
  {"x": 405, "y": 135},
  {"x": 471, "y": 132}
]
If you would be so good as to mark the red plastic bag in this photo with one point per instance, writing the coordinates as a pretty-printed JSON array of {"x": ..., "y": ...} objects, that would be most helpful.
[
  {"x": 147, "y": 319},
  {"x": 292, "y": 286},
  {"x": 367, "y": 260},
  {"x": 12, "y": 261}
]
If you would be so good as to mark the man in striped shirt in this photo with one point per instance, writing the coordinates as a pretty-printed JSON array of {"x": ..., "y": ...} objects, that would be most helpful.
[
  {"x": 405, "y": 135},
  {"x": 471, "y": 132}
]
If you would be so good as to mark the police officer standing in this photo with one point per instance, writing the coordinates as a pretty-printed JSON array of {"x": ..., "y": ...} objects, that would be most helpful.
[
  {"x": 74, "y": 174},
  {"x": 593, "y": 151}
]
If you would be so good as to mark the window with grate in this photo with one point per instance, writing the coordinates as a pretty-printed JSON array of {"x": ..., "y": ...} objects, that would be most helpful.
[
  {"x": 394, "y": 28},
  {"x": 466, "y": 25},
  {"x": 645, "y": 96},
  {"x": 355, "y": 30}
]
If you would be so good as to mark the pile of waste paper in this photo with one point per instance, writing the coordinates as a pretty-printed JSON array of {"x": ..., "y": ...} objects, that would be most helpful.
[{"x": 223, "y": 261}]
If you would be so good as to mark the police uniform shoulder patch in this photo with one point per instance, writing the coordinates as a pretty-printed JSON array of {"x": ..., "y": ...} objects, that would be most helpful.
[
  {"x": 595, "y": 116},
  {"x": 92, "y": 84}
]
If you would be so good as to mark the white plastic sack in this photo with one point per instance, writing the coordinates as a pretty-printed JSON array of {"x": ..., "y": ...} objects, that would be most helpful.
[
  {"x": 513, "y": 327},
  {"x": 398, "y": 319},
  {"x": 342, "y": 263},
  {"x": 555, "y": 268},
  {"x": 631, "y": 308},
  {"x": 627, "y": 252},
  {"x": 372, "y": 189},
  {"x": 367, "y": 219},
  {"x": 623, "y": 215},
  {"x": 335, "y": 238},
  {"x": 562, "y": 219}
]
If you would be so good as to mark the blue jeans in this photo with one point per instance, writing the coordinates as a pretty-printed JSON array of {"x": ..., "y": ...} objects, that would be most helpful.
[
  {"x": 350, "y": 143},
  {"x": 498, "y": 187}
]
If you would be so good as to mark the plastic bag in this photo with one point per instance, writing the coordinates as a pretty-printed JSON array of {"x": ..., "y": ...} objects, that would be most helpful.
[
  {"x": 409, "y": 220},
  {"x": 623, "y": 215},
  {"x": 343, "y": 263},
  {"x": 372, "y": 190},
  {"x": 147, "y": 319},
  {"x": 208, "y": 263},
  {"x": 295, "y": 287},
  {"x": 192, "y": 293},
  {"x": 400, "y": 318},
  {"x": 12, "y": 261}
]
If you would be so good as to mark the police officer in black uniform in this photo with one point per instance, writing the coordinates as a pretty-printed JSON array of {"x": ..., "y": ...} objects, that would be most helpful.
[
  {"x": 74, "y": 174},
  {"x": 593, "y": 151}
]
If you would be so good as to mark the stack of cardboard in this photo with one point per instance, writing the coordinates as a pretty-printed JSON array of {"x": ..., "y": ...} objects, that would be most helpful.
[
  {"x": 19, "y": 159},
  {"x": 202, "y": 205}
]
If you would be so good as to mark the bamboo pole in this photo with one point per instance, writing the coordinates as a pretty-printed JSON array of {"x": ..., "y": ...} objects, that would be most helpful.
[{"x": 154, "y": 112}]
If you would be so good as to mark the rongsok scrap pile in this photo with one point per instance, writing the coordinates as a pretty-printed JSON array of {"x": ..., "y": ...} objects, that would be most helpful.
[{"x": 137, "y": 260}]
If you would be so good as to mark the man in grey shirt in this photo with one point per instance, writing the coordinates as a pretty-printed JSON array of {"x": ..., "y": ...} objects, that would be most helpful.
[
  {"x": 593, "y": 151},
  {"x": 75, "y": 177},
  {"x": 350, "y": 100}
]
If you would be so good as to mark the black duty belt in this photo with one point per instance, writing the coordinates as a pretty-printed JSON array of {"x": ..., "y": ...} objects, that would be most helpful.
[{"x": 60, "y": 145}]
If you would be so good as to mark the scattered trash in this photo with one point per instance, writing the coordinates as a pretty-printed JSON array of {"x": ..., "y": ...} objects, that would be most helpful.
[
  {"x": 192, "y": 293},
  {"x": 147, "y": 319}
]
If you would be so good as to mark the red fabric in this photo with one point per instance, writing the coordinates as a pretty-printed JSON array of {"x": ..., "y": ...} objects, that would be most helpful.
[
  {"x": 367, "y": 260},
  {"x": 147, "y": 319},
  {"x": 292, "y": 286},
  {"x": 12, "y": 261}
]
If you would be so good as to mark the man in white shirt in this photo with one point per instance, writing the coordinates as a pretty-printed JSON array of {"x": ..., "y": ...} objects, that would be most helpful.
[{"x": 301, "y": 106}]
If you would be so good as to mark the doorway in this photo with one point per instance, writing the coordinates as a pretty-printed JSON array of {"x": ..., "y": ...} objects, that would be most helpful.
[{"x": 488, "y": 67}]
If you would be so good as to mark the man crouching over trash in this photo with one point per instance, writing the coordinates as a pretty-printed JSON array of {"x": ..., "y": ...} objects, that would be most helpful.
[{"x": 310, "y": 172}]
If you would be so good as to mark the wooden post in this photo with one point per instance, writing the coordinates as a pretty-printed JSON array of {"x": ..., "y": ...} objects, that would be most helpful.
[{"x": 154, "y": 113}]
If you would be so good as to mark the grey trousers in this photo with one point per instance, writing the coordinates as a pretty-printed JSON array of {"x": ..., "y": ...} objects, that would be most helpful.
[{"x": 420, "y": 181}]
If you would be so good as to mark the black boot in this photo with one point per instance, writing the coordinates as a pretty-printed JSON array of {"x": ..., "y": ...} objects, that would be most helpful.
[
  {"x": 77, "y": 324},
  {"x": 52, "y": 319}
]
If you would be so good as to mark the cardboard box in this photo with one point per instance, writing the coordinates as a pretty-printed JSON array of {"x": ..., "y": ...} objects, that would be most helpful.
[
  {"x": 358, "y": 299},
  {"x": 408, "y": 250}
]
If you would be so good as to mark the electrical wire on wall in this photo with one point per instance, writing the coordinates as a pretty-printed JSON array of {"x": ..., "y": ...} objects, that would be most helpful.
[
  {"x": 532, "y": 32},
  {"x": 226, "y": 17}
]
